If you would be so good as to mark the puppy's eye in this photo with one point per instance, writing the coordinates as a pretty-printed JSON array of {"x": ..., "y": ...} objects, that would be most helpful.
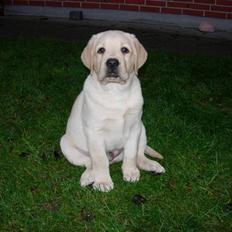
[
  {"x": 101, "y": 50},
  {"x": 125, "y": 50}
]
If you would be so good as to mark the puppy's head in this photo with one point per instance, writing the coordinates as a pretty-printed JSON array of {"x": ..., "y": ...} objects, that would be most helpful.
[{"x": 114, "y": 56}]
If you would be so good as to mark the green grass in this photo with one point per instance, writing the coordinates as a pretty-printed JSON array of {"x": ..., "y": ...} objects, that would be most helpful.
[{"x": 188, "y": 117}]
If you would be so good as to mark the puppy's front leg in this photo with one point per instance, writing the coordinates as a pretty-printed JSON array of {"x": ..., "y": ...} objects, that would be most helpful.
[
  {"x": 100, "y": 162},
  {"x": 129, "y": 168}
]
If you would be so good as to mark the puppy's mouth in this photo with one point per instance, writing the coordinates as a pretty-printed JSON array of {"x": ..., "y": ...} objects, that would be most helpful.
[{"x": 112, "y": 77}]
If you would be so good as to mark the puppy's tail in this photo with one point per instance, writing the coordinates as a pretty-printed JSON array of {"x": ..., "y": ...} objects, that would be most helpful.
[{"x": 151, "y": 152}]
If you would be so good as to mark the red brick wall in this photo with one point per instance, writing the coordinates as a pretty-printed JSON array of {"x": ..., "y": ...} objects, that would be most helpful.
[{"x": 208, "y": 8}]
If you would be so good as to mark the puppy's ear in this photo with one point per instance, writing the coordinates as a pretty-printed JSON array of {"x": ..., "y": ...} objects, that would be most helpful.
[
  {"x": 87, "y": 54},
  {"x": 140, "y": 53}
]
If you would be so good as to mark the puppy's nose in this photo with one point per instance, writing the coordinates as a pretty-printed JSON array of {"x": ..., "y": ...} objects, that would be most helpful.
[{"x": 112, "y": 63}]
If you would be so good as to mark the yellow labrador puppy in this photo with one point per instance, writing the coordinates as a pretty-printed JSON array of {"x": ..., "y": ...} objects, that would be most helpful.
[{"x": 105, "y": 123}]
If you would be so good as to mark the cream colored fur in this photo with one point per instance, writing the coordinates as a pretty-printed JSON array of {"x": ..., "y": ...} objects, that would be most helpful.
[{"x": 106, "y": 116}]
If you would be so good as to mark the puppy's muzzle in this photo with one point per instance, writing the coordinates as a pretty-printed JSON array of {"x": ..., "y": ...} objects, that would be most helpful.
[{"x": 112, "y": 67}]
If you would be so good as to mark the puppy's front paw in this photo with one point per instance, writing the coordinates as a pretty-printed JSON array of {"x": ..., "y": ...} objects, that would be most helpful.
[
  {"x": 87, "y": 178},
  {"x": 103, "y": 185},
  {"x": 131, "y": 175}
]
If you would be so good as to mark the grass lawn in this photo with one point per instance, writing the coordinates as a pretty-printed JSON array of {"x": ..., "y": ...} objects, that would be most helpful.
[{"x": 188, "y": 116}]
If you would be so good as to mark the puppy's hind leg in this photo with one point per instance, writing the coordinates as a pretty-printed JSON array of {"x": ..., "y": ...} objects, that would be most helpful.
[
  {"x": 74, "y": 156},
  {"x": 142, "y": 161}
]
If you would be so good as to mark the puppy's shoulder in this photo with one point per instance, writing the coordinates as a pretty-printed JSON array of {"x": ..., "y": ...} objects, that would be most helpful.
[{"x": 89, "y": 84}]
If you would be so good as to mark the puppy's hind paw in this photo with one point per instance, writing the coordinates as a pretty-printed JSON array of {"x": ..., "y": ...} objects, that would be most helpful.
[
  {"x": 87, "y": 178},
  {"x": 155, "y": 167},
  {"x": 151, "y": 165}
]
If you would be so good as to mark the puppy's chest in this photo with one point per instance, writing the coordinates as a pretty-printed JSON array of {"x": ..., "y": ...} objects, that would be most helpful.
[
  {"x": 117, "y": 129},
  {"x": 120, "y": 123}
]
